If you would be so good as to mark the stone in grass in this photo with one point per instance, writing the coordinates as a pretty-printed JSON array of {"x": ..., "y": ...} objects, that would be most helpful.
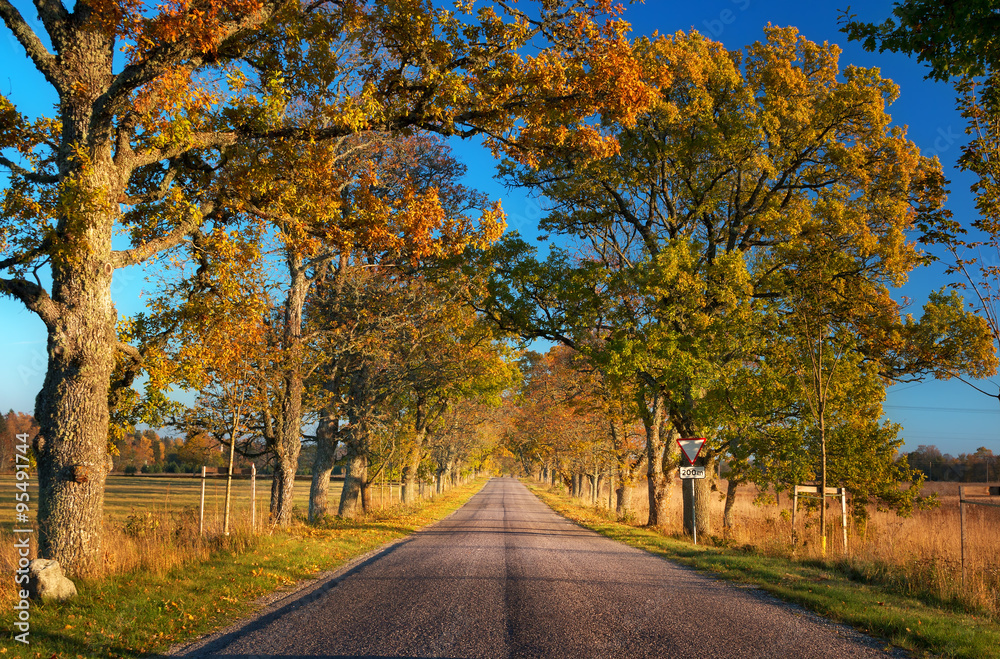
[{"x": 47, "y": 582}]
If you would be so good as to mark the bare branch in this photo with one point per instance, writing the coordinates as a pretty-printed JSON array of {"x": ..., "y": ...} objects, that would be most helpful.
[
  {"x": 159, "y": 193},
  {"x": 43, "y": 59},
  {"x": 25, "y": 257},
  {"x": 130, "y": 351},
  {"x": 126, "y": 257},
  {"x": 33, "y": 296},
  {"x": 54, "y": 16},
  {"x": 27, "y": 174}
]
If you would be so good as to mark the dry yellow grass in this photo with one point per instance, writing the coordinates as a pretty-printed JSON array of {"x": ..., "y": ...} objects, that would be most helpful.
[{"x": 920, "y": 554}]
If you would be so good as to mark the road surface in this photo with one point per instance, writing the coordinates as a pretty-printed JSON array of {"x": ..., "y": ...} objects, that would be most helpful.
[{"x": 506, "y": 577}]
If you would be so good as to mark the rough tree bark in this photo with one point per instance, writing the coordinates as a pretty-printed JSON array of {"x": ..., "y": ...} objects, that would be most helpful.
[
  {"x": 626, "y": 468},
  {"x": 326, "y": 448},
  {"x": 702, "y": 498},
  {"x": 355, "y": 479},
  {"x": 79, "y": 317},
  {"x": 657, "y": 481},
  {"x": 356, "y": 441},
  {"x": 411, "y": 464},
  {"x": 288, "y": 438},
  {"x": 727, "y": 512},
  {"x": 94, "y": 160}
]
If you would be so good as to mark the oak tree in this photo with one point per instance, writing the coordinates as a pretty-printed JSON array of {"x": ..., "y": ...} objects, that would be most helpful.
[{"x": 127, "y": 122}]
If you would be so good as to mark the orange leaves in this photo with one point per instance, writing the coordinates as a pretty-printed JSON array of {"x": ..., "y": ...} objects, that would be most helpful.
[
  {"x": 203, "y": 25},
  {"x": 414, "y": 224}
]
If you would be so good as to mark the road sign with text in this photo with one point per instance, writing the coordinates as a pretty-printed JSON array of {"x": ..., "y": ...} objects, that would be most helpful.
[
  {"x": 692, "y": 472},
  {"x": 691, "y": 448}
]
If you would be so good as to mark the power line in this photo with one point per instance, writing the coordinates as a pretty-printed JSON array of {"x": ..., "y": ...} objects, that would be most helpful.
[{"x": 924, "y": 408}]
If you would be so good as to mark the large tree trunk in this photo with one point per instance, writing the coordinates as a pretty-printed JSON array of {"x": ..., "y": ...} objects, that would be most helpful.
[
  {"x": 356, "y": 441},
  {"x": 289, "y": 432},
  {"x": 326, "y": 448},
  {"x": 366, "y": 494},
  {"x": 283, "y": 488},
  {"x": 410, "y": 467},
  {"x": 72, "y": 406},
  {"x": 701, "y": 490},
  {"x": 623, "y": 500},
  {"x": 626, "y": 472},
  {"x": 72, "y": 413},
  {"x": 355, "y": 479},
  {"x": 657, "y": 481},
  {"x": 727, "y": 513}
]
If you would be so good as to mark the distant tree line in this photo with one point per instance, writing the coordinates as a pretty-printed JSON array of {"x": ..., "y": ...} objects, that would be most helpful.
[
  {"x": 978, "y": 467},
  {"x": 11, "y": 425}
]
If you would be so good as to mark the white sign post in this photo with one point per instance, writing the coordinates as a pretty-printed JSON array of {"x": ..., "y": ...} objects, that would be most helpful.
[{"x": 691, "y": 448}]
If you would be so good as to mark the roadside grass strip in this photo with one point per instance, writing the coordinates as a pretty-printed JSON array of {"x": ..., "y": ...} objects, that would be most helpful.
[
  {"x": 924, "y": 628},
  {"x": 139, "y": 613}
]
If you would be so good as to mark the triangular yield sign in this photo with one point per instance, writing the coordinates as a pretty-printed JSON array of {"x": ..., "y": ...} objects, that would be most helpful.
[{"x": 691, "y": 447}]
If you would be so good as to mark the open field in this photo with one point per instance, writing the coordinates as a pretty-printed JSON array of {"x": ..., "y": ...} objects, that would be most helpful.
[
  {"x": 125, "y": 495},
  {"x": 918, "y": 555}
]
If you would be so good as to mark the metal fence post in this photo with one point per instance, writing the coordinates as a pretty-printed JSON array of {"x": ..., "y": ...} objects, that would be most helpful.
[
  {"x": 253, "y": 497},
  {"x": 843, "y": 514},
  {"x": 961, "y": 514},
  {"x": 694, "y": 512},
  {"x": 795, "y": 508},
  {"x": 201, "y": 515}
]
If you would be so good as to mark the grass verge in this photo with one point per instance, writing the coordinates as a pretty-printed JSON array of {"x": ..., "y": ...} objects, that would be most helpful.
[
  {"x": 824, "y": 587},
  {"x": 139, "y": 613}
]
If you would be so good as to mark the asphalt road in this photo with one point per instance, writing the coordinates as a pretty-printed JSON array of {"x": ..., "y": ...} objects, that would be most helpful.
[{"x": 506, "y": 577}]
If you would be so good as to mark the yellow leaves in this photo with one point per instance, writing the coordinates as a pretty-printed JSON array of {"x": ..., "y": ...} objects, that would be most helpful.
[{"x": 175, "y": 105}]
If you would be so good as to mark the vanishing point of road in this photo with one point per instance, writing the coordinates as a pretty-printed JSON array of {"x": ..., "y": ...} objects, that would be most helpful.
[{"x": 505, "y": 576}]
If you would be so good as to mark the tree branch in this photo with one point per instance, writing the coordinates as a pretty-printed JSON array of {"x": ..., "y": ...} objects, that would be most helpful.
[
  {"x": 44, "y": 60},
  {"x": 27, "y": 174},
  {"x": 33, "y": 296},
  {"x": 172, "y": 55},
  {"x": 136, "y": 255}
]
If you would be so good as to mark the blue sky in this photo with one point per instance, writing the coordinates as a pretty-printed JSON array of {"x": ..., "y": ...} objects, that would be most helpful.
[{"x": 949, "y": 414}]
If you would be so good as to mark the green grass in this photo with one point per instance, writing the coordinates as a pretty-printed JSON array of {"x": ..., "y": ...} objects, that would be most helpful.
[
  {"x": 135, "y": 614},
  {"x": 926, "y": 628}
]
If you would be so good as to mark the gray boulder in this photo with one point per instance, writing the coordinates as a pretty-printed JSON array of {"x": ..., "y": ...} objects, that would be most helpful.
[{"x": 46, "y": 581}]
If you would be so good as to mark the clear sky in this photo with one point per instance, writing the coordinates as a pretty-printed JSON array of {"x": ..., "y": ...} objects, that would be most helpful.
[{"x": 949, "y": 414}]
